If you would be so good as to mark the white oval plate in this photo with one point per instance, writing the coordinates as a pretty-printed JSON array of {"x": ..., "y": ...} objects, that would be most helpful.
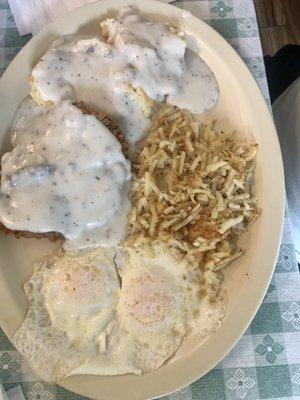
[{"x": 241, "y": 107}]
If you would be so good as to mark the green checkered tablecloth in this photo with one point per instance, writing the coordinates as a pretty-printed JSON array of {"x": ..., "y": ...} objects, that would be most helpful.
[{"x": 265, "y": 364}]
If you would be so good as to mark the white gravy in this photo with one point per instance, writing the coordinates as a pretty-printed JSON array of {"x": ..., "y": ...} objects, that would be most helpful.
[
  {"x": 66, "y": 174},
  {"x": 78, "y": 67},
  {"x": 199, "y": 90},
  {"x": 152, "y": 57},
  {"x": 138, "y": 53}
]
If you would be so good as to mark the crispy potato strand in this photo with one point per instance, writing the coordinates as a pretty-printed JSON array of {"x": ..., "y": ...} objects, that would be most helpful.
[{"x": 192, "y": 189}]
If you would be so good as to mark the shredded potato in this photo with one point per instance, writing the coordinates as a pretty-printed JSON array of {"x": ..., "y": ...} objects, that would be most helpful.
[{"x": 192, "y": 189}]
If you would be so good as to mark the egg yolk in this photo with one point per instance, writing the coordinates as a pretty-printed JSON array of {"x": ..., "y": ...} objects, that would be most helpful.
[
  {"x": 149, "y": 302},
  {"x": 74, "y": 294}
]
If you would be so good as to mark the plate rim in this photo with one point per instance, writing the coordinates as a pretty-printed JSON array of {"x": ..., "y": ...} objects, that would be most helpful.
[{"x": 254, "y": 89}]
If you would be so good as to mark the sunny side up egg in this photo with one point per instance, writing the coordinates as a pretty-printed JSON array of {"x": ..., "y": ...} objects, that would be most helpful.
[
  {"x": 163, "y": 296},
  {"x": 97, "y": 312},
  {"x": 72, "y": 302},
  {"x": 150, "y": 314},
  {"x": 159, "y": 305}
]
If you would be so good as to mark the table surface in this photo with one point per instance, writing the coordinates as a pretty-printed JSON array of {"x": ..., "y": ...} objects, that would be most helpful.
[{"x": 265, "y": 364}]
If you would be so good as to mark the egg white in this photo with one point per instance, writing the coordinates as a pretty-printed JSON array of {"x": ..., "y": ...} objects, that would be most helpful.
[
  {"x": 72, "y": 302},
  {"x": 162, "y": 298},
  {"x": 94, "y": 313},
  {"x": 150, "y": 314},
  {"x": 160, "y": 304}
]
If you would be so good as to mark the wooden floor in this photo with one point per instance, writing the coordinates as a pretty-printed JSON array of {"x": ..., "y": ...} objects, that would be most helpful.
[{"x": 279, "y": 23}]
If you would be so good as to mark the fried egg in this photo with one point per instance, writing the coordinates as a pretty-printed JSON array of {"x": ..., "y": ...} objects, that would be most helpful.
[
  {"x": 160, "y": 293},
  {"x": 151, "y": 306},
  {"x": 150, "y": 323},
  {"x": 161, "y": 302},
  {"x": 72, "y": 302},
  {"x": 107, "y": 313}
]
